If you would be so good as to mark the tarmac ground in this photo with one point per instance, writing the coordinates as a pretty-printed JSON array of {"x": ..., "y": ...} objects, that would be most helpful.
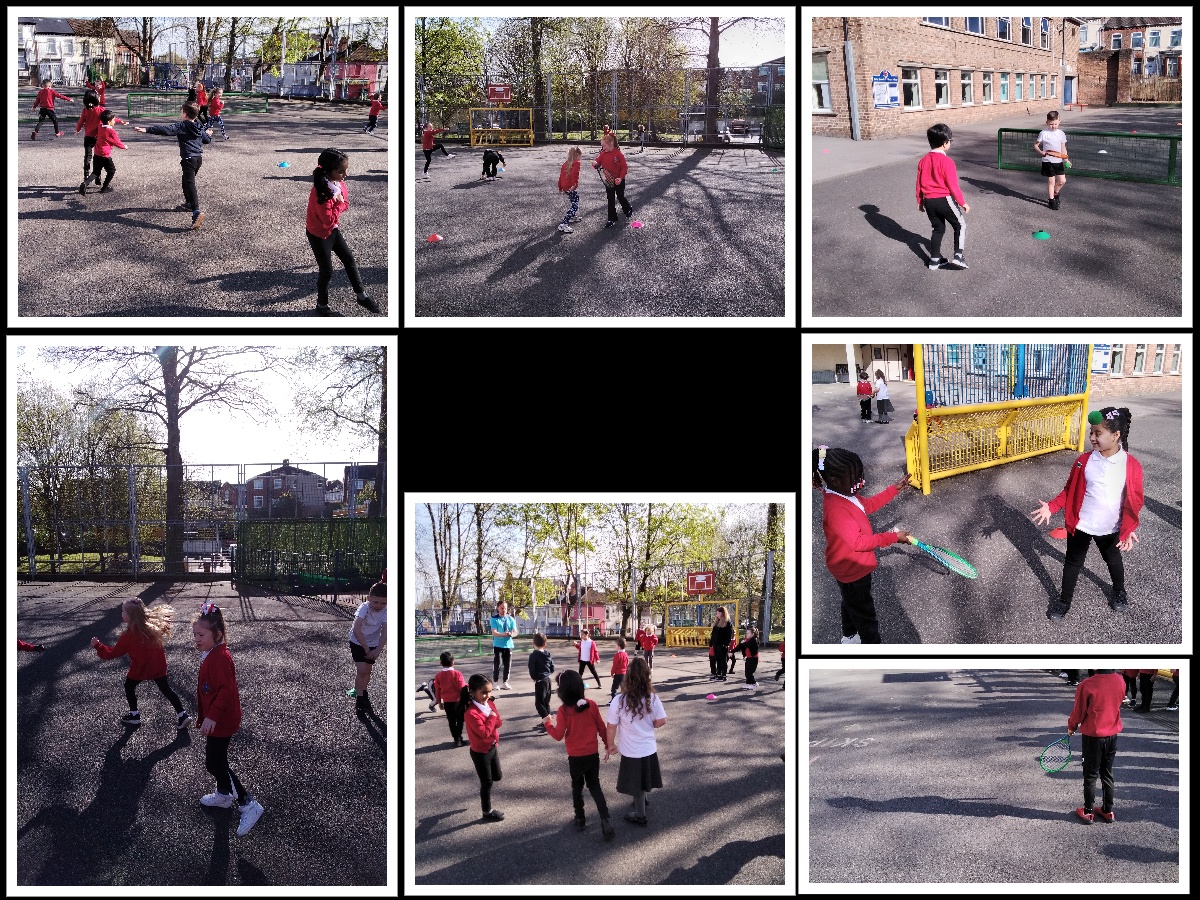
[
  {"x": 1115, "y": 247},
  {"x": 719, "y": 818},
  {"x": 100, "y": 804},
  {"x": 932, "y": 776},
  {"x": 712, "y": 241},
  {"x": 132, "y": 253},
  {"x": 984, "y": 516}
]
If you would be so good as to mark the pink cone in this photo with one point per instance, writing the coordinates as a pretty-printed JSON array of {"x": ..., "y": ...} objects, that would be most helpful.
[
  {"x": 711, "y": 697},
  {"x": 1059, "y": 533},
  {"x": 433, "y": 239},
  {"x": 635, "y": 224}
]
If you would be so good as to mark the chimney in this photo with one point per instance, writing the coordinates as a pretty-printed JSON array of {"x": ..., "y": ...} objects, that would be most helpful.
[{"x": 285, "y": 462}]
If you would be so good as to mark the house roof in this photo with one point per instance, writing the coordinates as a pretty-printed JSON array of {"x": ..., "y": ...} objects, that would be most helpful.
[
  {"x": 47, "y": 26},
  {"x": 99, "y": 28},
  {"x": 287, "y": 470},
  {"x": 1116, "y": 23}
]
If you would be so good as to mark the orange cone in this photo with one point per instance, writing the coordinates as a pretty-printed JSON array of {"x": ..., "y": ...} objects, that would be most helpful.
[{"x": 433, "y": 239}]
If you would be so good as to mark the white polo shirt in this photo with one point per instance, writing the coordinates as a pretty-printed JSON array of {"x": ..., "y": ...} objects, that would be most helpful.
[{"x": 1100, "y": 512}]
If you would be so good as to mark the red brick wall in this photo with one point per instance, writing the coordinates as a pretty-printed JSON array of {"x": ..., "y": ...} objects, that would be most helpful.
[
  {"x": 1098, "y": 77},
  {"x": 893, "y": 43}
]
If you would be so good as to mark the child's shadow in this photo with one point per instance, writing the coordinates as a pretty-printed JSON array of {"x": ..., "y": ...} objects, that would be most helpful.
[{"x": 889, "y": 227}]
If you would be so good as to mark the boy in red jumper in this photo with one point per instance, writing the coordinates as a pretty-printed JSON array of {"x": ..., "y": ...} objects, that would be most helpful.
[
  {"x": 373, "y": 115},
  {"x": 850, "y": 543},
  {"x": 428, "y": 146},
  {"x": 620, "y": 665},
  {"x": 447, "y": 687},
  {"x": 1097, "y": 713},
  {"x": 106, "y": 139},
  {"x": 580, "y": 722},
  {"x": 45, "y": 100},
  {"x": 940, "y": 197}
]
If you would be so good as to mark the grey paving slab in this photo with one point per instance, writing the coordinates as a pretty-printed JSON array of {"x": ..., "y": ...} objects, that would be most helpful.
[
  {"x": 932, "y": 776},
  {"x": 719, "y": 818},
  {"x": 984, "y": 517}
]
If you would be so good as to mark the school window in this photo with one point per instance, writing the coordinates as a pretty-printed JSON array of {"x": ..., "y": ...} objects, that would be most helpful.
[
  {"x": 1003, "y": 87},
  {"x": 1176, "y": 352},
  {"x": 1136, "y": 40},
  {"x": 975, "y": 24},
  {"x": 820, "y": 82},
  {"x": 1137, "y": 67},
  {"x": 1154, "y": 39},
  {"x": 1117, "y": 365},
  {"x": 1139, "y": 359},
  {"x": 1053, "y": 85},
  {"x": 910, "y": 81},
  {"x": 1159, "y": 350},
  {"x": 1116, "y": 42},
  {"x": 1032, "y": 80},
  {"x": 1083, "y": 36},
  {"x": 1018, "y": 80},
  {"x": 987, "y": 87},
  {"x": 1004, "y": 28},
  {"x": 258, "y": 484},
  {"x": 1027, "y": 31},
  {"x": 968, "y": 88},
  {"x": 941, "y": 84},
  {"x": 1042, "y": 86},
  {"x": 258, "y": 502},
  {"x": 1045, "y": 34},
  {"x": 944, "y": 21}
]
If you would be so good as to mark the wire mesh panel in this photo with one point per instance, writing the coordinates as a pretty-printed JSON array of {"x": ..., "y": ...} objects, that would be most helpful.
[
  {"x": 1124, "y": 156},
  {"x": 962, "y": 374}
]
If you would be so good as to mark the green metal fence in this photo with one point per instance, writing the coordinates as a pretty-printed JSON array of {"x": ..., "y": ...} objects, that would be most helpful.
[
  {"x": 167, "y": 104},
  {"x": 1119, "y": 155},
  {"x": 318, "y": 556}
]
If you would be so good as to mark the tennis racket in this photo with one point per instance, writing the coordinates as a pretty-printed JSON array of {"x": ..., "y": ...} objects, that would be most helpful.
[
  {"x": 605, "y": 176},
  {"x": 1062, "y": 156},
  {"x": 1057, "y": 755},
  {"x": 951, "y": 561}
]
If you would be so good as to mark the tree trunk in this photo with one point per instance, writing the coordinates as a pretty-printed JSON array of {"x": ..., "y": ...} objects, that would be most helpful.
[{"x": 173, "y": 562}]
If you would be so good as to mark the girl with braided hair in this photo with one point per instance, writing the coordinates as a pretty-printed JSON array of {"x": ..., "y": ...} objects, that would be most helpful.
[
  {"x": 850, "y": 542},
  {"x": 1102, "y": 501}
]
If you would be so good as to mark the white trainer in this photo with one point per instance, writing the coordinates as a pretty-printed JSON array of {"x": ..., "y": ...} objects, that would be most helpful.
[
  {"x": 566, "y": 229},
  {"x": 251, "y": 812},
  {"x": 222, "y": 801},
  {"x": 853, "y": 639}
]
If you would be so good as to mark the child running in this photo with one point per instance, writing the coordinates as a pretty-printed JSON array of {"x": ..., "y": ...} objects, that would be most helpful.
[
  {"x": 635, "y": 714},
  {"x": 940, "y": 197},
  {"x": 568, "y": 183},
  {"x": 142, "y": 640},
  {"x": 45, "y": 101},
  {"x": 327, "y": 200},
  {"x": 191, "y": 139},
  {"x": 106, "y": 139},
  {"x": 373, "y": 116},
  {"x": 1103, "y": 499},
  {"x": 620, "y": 665},
  {"x": 368, "y": 637},
  {"x": 1051, "y": 146},
  {"x": 215, "y": 105},
  {"x": 613, "y": 169},
  {"x": 448, "y": 686},
  {"x": 428, "y": 146},
  {"x": 89, "y": 121},
  {"x": 580, "y": 722},
  {"x": 483, "y": 732},
  {"x": 850, "y": 543},
  {"x": 589, "y": 655},
  {"x": 219, "y": 714}
]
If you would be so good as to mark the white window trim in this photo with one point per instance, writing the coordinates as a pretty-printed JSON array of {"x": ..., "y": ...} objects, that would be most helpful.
[
  {"x": 1008, "y": 19},
  {"x": 990, "y": 83},
  {"x": 920, "y": 94},
  {"x": 936, "y": 104}
]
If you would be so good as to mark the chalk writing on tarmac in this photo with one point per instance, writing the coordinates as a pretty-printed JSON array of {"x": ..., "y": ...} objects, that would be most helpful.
[{"x": 836, "y": 743}]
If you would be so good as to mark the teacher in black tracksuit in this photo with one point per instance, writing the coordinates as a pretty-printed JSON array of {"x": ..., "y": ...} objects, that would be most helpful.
[{"x": 719, "y": 640}]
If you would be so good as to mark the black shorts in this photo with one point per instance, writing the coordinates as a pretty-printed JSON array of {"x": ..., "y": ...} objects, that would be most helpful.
[
  {"x": 1050, "y": 169},
  {"x": 359, "y": 654}
]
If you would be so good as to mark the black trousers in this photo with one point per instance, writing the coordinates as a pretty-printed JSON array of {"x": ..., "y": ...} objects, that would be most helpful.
[
  {"x": 322, "y": 249},
  {"x": 1098, "y": 756},
  {"x": 216, "y": 760},
  {"x": 1147, "y": 692},
  {"x": 429, "y": 154},
  {"x": 616, "y": 683},
  {"x": 858, "y": 610},
  {"x": 500, "y": 655},
  {"x": 615, "y": 193},
  {"x": 191, "y": 167},
  {"x": 586, "y": 770},
  {"x": 1077, "y": 549},
  {"x": 89, "y": 144},
  {"x": 487, "y": 767},
  {"x": 131, "y": 692},
  {"x": 454, "y": 718},
  {"x": 541, "y": 697},
  {"x": 43, "y": 114},
  {"x": 103, "y": 164},
  {"x": 751, "y": 667},
  {"x": 943, "y": 210},
  {"x": 1175, "y": 693},
  {"x": 591, "y": 666}
]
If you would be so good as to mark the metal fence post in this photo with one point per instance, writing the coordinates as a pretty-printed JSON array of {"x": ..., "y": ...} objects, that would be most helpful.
[
  {"x": 30, "y": 544},
  {"x": 134, "y": 551}
]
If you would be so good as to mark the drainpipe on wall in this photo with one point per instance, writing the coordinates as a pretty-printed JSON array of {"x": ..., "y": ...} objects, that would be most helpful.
[{"x": 851, "y": 90}]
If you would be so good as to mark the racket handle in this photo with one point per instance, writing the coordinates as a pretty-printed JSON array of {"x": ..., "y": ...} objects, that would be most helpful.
[{"x": 912, "y": 540}]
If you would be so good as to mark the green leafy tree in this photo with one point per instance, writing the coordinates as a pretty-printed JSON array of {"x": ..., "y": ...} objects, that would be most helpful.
[{"x": 450, "y": 60}]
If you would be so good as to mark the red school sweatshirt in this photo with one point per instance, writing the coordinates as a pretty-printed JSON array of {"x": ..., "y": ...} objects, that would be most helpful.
[
  {"x": 1071, "y": 498},
  {"x": 322, "y": 218},
  {"x": 217, "y": 692},
  {"x": 620, "y": 663},
  {"x": 448, "y": 685},
  {"x": 483, "y": 732},
  {"x": 581, "y": 727},
  {"x": 147, "y": 659},
  {"x": 106, "y": 139},
  {"x": 1098, "y": 705},
  {"x": 850, "y": 542},
  {"x": 937, "y": 176}
]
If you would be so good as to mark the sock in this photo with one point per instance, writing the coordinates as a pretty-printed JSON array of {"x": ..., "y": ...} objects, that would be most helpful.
[{"x": 639, "y": 803}]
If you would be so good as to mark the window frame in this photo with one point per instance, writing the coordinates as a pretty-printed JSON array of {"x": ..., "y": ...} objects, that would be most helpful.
[
  {"x": 1004, "y": 24},
  {"x": 905, "y": 82},
  {"x": 1044, "y": 36},
  {"x": 966, "y": 82},
  {"x": 1027, "y": 31},
  {"x": 986, "y": 84},
  {"x": 945, "y": 80},
  {"x": 816, "y": 83}
]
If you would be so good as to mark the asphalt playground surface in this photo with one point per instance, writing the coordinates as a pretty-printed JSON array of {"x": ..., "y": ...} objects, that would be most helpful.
[
  {"x": 131, "y": 253},
  {"x": 712, "y": 243},
  {"x": 984, "y": 517},
  {"x": 100, "y": 804},
  {"x": 932, "y": 776},
  {"x": 1115, "y": 247},
  {"x": 718, "y": 820}
]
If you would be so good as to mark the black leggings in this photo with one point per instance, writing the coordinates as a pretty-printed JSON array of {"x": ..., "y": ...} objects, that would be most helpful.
[
  {"x": 858, "y": 610},
  {"x": 1077, "y": 548},
  {"x": 487, "y": 767},
  {"x": 429, "y": 154},
  {"x": 586, "y": 770},
  {"x": 940, "y": 211},
  {"x": 591, "y": 666},
  {"x": 321, "y": 250},
  {"x": 191, "y": 168},
  {"x": 43, "y": 114},
  {"x": 216, "y": 760},
  {"x": 131, "y": 692},
  {"x": 106, "y": 165},
  {"x": 88, "y": 144}
]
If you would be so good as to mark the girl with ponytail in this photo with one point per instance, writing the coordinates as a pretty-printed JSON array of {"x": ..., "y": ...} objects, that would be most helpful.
[
  {"x": 1102, "y": 499},
  {"x": 850, "y": 542},
  {"x": 327, "y": 200}
]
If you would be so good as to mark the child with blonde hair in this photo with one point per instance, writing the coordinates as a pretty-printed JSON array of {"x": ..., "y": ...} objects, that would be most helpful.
[
  {"x": 142, "y": 640},
  {"x": 568, "y": 183},
  {"x": 612, "y": 168}
]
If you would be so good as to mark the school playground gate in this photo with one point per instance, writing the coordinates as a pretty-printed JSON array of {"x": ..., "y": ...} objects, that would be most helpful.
[{"x": 982, "y": 405}]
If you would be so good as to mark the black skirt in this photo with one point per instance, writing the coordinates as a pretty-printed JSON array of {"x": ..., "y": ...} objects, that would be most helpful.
[
  {"x": 638, "y": 774},
  {"x": 884, "y": 405}
]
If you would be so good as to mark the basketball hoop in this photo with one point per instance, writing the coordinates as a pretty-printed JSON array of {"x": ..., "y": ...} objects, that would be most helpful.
[{"x": 499, "y": 93}]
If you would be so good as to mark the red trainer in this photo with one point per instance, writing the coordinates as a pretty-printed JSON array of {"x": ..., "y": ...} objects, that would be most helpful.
[
  {"x": 1105, "y": 816},
  {"x": 1085, "y": 815}
]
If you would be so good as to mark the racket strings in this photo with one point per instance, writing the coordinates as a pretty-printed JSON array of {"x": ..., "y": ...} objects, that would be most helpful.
[
  {"x": 1056, "y": 756},
  {"x": 953, "y": 562}
]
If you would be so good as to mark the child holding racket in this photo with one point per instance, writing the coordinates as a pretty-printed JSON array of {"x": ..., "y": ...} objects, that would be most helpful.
[
  {"x": 612, "y": 168},
  {"x": 1051, "y": 146},
  {"x": 850, "y": 542},
  {"x": 1102, "y": 499},
  {"x": 1097, "y": 714}
]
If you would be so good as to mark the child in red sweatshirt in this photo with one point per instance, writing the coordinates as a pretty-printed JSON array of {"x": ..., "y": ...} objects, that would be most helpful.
[
  {"x": 45, "y": 100},
  {"x": 106, "y": 139},
  {"x": 850, "y": 542},
  {"x": 939, "y": 195},
  {"x": 89, "y": 121},
  {"x": 327, "y": 200},
  {"x": 580, "y": 722},
  {"x": 483, "y": 722},
  {"x": 612, "y": 168},
  {"x": 1097, "y": 714},
  {"x": 142, "y": 640},
  {"x": 620, "y": 665},
  {"x": 373, "y": 115}
]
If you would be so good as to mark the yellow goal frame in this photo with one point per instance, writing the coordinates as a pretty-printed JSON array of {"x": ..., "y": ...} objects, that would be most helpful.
[
  {"x": 508, "y": 137},
  {"x": 697, "y": 635}
]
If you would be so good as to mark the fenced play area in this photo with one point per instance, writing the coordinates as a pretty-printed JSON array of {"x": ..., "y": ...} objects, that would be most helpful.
[
  {"x": 248, "y": 257},
  {"x": 1116, "y": 155}
]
